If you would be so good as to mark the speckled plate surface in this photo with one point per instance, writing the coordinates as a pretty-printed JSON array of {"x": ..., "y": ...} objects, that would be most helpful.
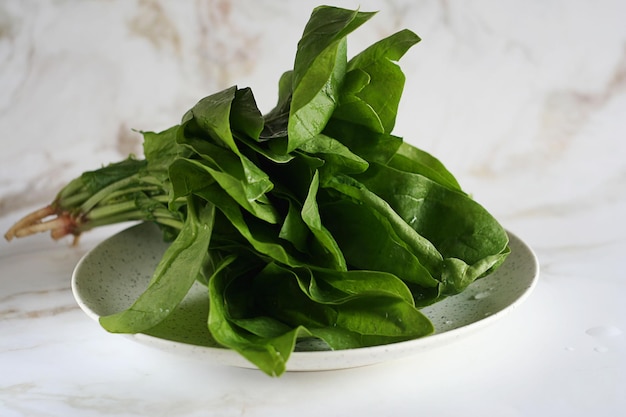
[{"x": 111, "y": 276}]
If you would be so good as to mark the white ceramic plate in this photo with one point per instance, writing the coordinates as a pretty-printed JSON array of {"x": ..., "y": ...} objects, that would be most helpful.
[{"x": 111, "y": 276}]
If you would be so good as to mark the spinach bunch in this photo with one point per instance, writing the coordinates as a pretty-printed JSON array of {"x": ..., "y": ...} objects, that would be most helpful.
[{"x": 312, "y": 220}]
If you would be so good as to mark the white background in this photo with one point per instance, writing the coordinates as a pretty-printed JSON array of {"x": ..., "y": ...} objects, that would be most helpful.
[{"x": 525, "y": 101}]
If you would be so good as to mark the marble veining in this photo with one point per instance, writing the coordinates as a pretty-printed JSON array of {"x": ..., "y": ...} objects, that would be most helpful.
[{"x": 523, "y": 100}]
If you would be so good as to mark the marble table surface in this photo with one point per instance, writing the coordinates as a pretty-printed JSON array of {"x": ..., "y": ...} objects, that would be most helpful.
[{"x": 525, "y": 101}]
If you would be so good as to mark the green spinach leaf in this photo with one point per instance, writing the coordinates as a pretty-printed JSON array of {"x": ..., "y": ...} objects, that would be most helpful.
[
  {"x": 176, "y": 272},
  {"x": 319, "y": 68}
]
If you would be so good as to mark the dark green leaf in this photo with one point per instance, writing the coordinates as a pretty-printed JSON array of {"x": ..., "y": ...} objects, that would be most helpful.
[
  {"x": 276, "y": 120},
  {"x": 369, "y": 145},
  {"x": 336, "y": 156},
  {"x": 271, "y": 350},
  {"x": 329, "y": 254},
  {"x": 189, "y": 176},
  {"x": 96, "y": 180},
  {"x": 319, "y": 69},
  {"x": 411, "y": 159},
  {"x": 470, "y": 240},
  {"x": 176, "y": 272},
  {"x": 160, "y": 149},
  {"x": 245, "y": 116},
  {"x": 382, "y": 215},
  {"x": 212, "y": 116},
  {"x": 261, "y": 236},
  {"x": 375, "y": 83}
]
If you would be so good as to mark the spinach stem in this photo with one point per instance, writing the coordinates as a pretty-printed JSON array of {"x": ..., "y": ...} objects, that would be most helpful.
[
  {"x": 73, "y": 200},
  {"x": 103, "y": 193},
  {"x": 101, "y": 212}
]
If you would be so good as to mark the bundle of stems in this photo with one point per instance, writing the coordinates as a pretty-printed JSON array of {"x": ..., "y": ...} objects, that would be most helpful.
[{"x": 119, "y": 192}]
